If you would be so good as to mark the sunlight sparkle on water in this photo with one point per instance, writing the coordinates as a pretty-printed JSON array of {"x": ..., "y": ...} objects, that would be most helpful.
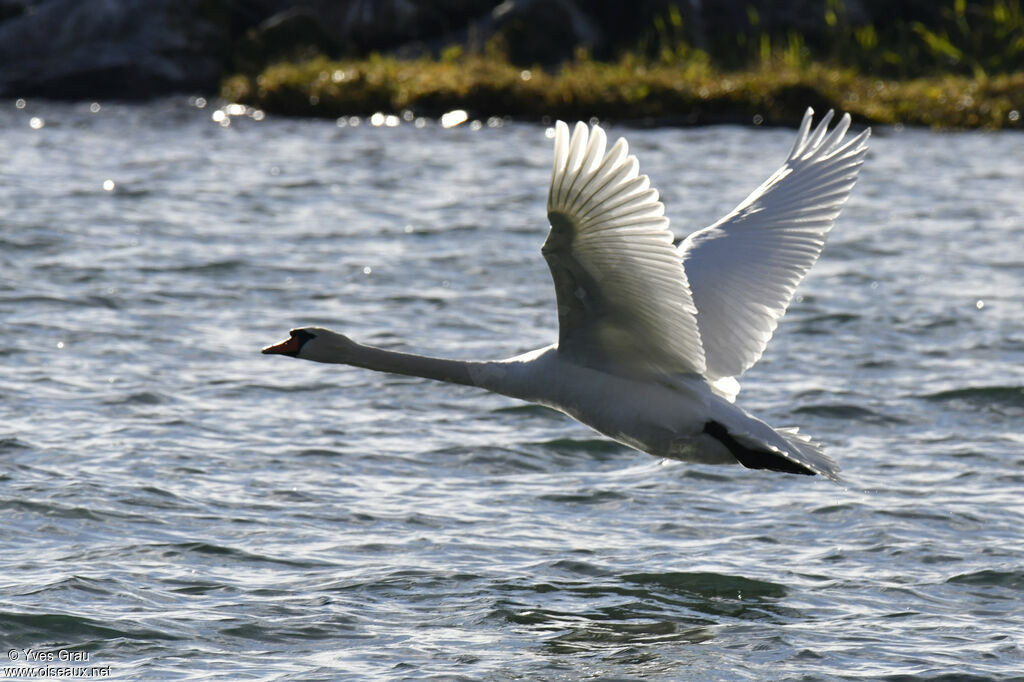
[
  {"x": 454, "y": 118},
  {"x": 380, "y": 119}
]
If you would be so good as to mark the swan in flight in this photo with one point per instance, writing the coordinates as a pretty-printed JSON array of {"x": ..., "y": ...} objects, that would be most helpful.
[{"x": 652, "y": 336}]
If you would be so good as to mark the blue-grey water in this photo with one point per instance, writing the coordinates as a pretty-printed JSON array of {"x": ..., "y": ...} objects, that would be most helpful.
[{"x": 175, "y": 505}]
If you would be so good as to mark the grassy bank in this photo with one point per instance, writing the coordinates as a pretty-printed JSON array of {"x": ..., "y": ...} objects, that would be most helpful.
[{"x": 680, "y": 92}]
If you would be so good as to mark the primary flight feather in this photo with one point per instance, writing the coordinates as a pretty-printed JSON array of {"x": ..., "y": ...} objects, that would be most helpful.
[{"x": 652, "y": 337}]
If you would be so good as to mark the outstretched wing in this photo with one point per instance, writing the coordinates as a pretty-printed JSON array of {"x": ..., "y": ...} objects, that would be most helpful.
[
  {"x": 743, "y": 269},
  {"x": 623, "y": 299}
]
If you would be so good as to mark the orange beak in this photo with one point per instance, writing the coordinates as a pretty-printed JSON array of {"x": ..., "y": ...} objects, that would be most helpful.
[{"x": 289, "y": 346}]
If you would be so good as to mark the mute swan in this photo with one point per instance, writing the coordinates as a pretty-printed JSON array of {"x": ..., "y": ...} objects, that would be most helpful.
[{"x": 652, "y": 336}]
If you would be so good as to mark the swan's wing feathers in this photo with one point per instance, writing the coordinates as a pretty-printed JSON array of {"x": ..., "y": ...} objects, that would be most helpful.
[
  {"x": 743, "y": 269},
  {"x": 621, "y": 289}
]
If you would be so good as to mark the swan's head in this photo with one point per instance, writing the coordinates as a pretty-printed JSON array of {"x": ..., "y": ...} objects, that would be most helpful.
[
  {"x": 312, "y": 343},
  {"x": 293, "y": 345}
]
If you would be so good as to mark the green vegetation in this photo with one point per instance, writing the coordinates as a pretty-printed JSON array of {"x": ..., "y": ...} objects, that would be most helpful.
[
  {"x": 687, "y": 92},
  {"x": 976, "y": 38},
  {"x": 964, "y": 70}
]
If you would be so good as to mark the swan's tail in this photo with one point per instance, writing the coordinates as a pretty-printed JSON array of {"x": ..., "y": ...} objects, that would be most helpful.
[
  {"x": 810, "y": 452},
  {"x": 756, "y": 445}
]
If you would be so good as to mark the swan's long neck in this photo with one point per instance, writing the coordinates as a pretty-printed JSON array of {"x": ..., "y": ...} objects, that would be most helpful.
[
  {"x": 506, "y": 377},
  {"x": 409, "y": 364}
]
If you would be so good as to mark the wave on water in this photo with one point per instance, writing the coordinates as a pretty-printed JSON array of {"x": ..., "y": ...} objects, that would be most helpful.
[
  {"x": 27, "y": 629},
  {"x": 1011, "y": 395},
  {"x": 586, "y": 497},
  {"x": 138, "y": 398},
  {"x": 597, "y": 635},
  {"x": 223, "y": 266},
  {"x": 991, "y": 578},
  {"x": 710, "y": 585},
  {"x": 1006, "y": 400},
  {"x": 13, "y": 443},
  {"x": 216, "y": 552},
  {"x": 824, "y": 324},
  {"x": 848, "y": 412},
  {"x": 641, "y": 609}
]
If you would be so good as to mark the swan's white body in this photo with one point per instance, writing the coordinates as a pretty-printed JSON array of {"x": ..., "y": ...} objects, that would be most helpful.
[{"x": 653, "y": 336}]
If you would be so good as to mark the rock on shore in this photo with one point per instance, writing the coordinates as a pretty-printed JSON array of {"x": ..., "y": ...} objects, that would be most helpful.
[{"x": 73, "y": 49}]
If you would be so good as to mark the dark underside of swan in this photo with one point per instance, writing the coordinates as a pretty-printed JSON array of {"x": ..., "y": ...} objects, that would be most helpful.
[{"x": 750, "y": 458}]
